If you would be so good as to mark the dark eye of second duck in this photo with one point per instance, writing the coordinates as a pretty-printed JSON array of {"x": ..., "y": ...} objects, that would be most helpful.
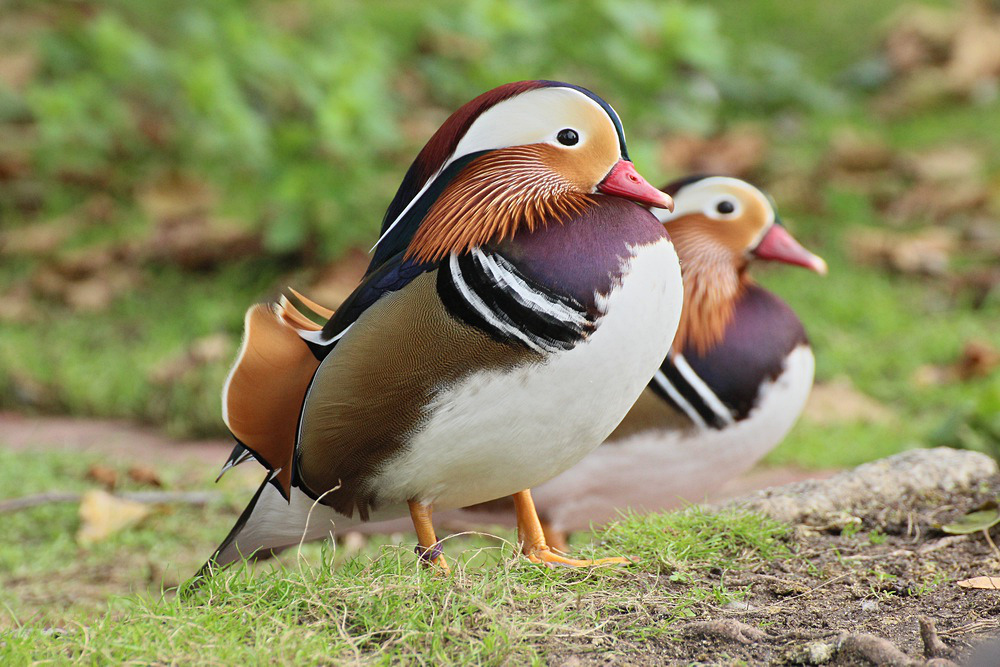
[
  {"x": 568, "y": 137},
  {"x": 725, "y": 207}
]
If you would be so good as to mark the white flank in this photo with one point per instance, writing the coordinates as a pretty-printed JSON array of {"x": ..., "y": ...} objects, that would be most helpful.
[{"x": 659, "y": 470}]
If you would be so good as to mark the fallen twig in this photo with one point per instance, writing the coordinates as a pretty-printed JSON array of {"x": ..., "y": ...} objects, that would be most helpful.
[
  {"x": 862, "y": 648},
  {"x": 150, "y": 497},
  {"x": 726, "y": 629},
  {"x": 940, "y": 544},
  {"x": 968, "y": 628}
]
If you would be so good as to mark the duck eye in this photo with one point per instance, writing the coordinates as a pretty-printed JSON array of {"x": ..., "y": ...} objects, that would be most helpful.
[
  {"x": 568, "y": 137},
  {"x": 725, "y": 207}
]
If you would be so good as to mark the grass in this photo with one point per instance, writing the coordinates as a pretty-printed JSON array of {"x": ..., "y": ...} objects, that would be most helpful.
[{"x": 377, "y": 607}]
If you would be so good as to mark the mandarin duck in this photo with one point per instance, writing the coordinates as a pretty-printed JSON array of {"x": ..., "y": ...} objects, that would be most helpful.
[
  {"x": 736, "y": 378},
  {"x": 519, "y": 299}
]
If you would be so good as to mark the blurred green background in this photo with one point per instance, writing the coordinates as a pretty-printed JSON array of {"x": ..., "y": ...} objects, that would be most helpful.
[{"x": 165, "y": 164}]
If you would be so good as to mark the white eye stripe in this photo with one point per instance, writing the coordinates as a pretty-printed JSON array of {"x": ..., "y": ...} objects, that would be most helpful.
[{"x": 533, "y": 117}]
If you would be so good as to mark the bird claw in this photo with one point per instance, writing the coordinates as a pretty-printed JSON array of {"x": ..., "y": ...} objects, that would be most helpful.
[{"x": 545, "y": 556}]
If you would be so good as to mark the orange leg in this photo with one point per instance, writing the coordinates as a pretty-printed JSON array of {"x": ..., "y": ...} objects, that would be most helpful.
[
  {"x": 557, "y": 540},
  {"x": 429, "y": 549},
  {"x": 532, "y": 538}
]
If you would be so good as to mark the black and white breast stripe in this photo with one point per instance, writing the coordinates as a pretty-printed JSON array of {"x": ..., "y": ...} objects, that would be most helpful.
[
  {"x": 486, "y": 291},
  {"x": 680, "y": 386}
]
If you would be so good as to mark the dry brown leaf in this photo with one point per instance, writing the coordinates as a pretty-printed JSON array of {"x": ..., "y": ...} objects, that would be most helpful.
[
  {"x": 174, "y": 197},
  {"x": 212, "y": 348},
  {"x": 145, "y": 475},
  {"x": 946, "y": 163},
  {"x": 979, "y": 284},
  {"x": 837, "y": 402},
  {"x": 852, "y": 152},
  {"x": 975, "y": 55},
  {"x": 944, "y": 52},
  {"x": 923, "y": 89},
  {"x": 983, "y": 234},
  {"x": 99, "y": 291},
  {"x": 99, "y": 208},
  {"x": 738, "y": 152},
  {"x": 926, "y": 252},
  {"x": 45, "y": 239},
  {"x": 987, "y": 583},
  {"x": 88, "y": 279},
  {"x": 453, "y": 44},
  {"x": 38, "y": 239},
  {"x": 200, "y": 242},
  {"x": 920, "y": 37},
  {"x": 932, "y": 201},
  {"x": 797, "y": 191},
  {"x": 978, "y": 359},
  {"x": 186, "y": 232},
  {"x": 102, "y": 515},
  {"x": 104, "y": 475},
  {"x": 18, "y": 68},
  {"x": 17, "y": 305},
  {"x": 85, "y": 262},
  {"x": 932, "y": 375},
  {"x": 13, "y": 167},
  {"x": 202, "y": 351}
]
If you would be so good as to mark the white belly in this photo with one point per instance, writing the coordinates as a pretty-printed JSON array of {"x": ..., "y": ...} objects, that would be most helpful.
[
  {"x": 659, "y": 470},
  {"x": 494, "y": 434}
]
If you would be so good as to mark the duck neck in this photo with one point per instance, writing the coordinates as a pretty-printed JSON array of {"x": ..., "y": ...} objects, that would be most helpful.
[{"x": 712, "y": 286}]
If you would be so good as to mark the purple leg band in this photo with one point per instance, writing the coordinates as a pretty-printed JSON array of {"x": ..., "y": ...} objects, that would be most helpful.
[{"x": 429, "y": 554}]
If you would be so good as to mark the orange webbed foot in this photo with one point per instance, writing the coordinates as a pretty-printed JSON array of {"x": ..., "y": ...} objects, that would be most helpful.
[
  {"x": 533, "y": 543},
  {"x": 543, "y": 555}
]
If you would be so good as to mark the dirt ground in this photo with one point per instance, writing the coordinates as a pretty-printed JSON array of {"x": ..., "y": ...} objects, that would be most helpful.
[{"x": 880, "y": 589}]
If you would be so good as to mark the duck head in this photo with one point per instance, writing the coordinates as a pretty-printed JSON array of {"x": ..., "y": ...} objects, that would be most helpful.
[
  {"x": 516, "y": 157},
  {"x": 719, "y": 225}
]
